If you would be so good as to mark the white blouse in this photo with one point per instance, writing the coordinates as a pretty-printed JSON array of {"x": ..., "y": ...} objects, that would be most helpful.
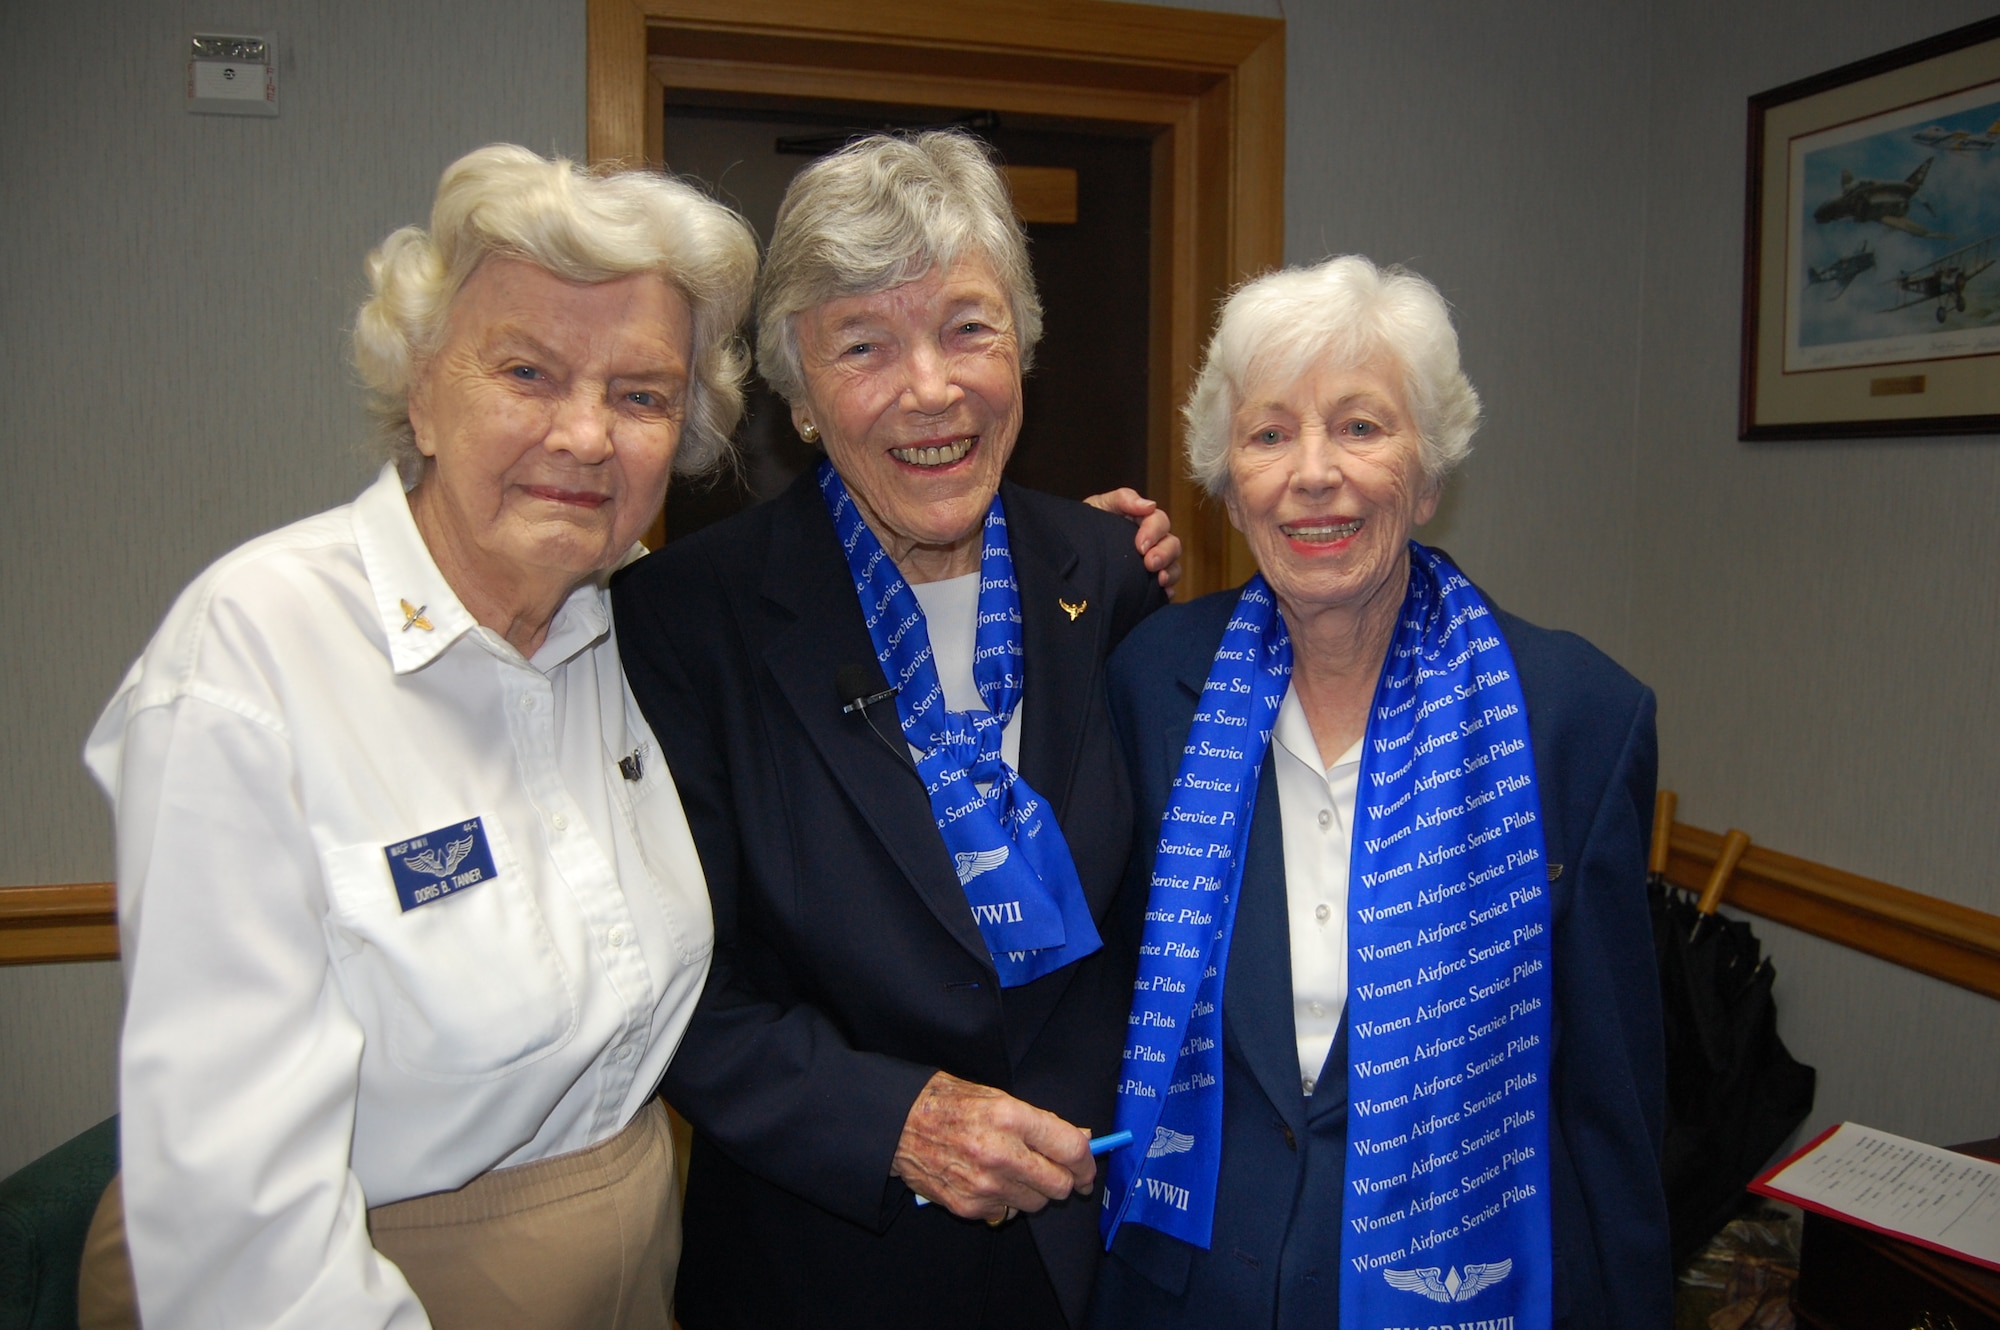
[
  {"x": 311, "y": 1029},
  {"x": 1316, "y": 806},
  {"x": 951, "y": 618}
]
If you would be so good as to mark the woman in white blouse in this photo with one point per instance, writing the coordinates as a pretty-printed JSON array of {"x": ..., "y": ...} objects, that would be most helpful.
[{"x": 410, "y": 915}]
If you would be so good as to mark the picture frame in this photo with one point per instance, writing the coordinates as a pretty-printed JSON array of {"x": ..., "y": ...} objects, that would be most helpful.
[{"x": 1871, "y": 272}]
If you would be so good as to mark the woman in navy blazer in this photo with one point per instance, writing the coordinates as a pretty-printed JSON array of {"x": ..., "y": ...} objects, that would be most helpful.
[
  {"x": 855, "y": 1054},
  {"x": 1329, "y": 411}
]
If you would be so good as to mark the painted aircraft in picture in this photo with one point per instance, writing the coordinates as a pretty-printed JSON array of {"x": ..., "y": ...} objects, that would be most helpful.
[
  {"x": 1842, "y": 270},
  {"x": 1945, "y": 279},
  {"x": 1884, "y": 201},
  {"x": 1958, "y": 140}
]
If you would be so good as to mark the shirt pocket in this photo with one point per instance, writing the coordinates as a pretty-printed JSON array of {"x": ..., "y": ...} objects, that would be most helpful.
[{"x": 464, "y": 987}]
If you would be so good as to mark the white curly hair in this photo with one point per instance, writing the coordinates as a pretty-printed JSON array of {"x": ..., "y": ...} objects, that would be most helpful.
[
  {"x": 583, "y": 226},
  {"x": 1349, "y": 311}
]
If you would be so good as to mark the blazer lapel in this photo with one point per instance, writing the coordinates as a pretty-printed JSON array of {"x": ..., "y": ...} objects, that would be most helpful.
[
  {"x": 1257, "y": 987},
  {"x": 818, "y": 628},
  {"x": 1059, "y": 653},
  {"x": 1330, "y": 1090},
  {"x": 1060, "y": 650}
]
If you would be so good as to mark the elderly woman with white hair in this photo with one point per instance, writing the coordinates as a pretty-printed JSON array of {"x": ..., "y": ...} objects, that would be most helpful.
[
  {"x": 1394, "y": 1052},
  {"x": 920, "y": 980},
  {"x": 411, "y": 918}
]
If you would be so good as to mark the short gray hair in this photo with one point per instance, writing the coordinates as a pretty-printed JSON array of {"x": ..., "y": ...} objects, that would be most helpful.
[
  {"x": 1351, "y": 312},
  {"x": 582, "y": 226},
  {"x": 881, "y": 212}
]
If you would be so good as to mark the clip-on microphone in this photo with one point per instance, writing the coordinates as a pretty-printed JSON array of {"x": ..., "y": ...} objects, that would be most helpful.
[
  {"x": 853, "y": 683},
  {"x": 856, "y": 685}
]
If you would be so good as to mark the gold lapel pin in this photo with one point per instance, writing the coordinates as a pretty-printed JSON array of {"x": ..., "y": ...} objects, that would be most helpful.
[
  {"x": 1075, "y": 609},
  {"x": 413, "y": 616}
]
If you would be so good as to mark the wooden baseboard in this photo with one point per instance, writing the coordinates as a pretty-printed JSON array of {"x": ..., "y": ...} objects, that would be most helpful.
[{"x": 1955, "y": 943}]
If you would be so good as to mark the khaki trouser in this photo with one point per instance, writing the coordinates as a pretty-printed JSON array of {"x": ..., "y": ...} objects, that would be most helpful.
[{"x": 585, "y": 1240}]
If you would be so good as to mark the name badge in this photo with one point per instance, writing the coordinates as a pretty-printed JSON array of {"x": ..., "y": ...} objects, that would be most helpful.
[{"x": 434, "y": 865}]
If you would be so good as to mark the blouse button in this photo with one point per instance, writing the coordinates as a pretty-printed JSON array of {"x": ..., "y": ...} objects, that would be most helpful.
[
  {"x": 1322, "y": 912},
  {"x": 1306, "y": 1083},
  {"x": 560, "y": 822},
  {"x": 616, "y": 937},
  {"x": 1319, "y": 1009},
  {"x": 527, "y": 701},
  {"x": 1325, "y": 819}
]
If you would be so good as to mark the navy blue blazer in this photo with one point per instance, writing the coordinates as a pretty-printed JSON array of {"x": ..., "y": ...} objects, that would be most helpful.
[
  {"x": 847, "y": 963},
  {"x": 1275, "y": 1258}
]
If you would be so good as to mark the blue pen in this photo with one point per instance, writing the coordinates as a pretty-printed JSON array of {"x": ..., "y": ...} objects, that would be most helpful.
[{"x": 1117, "y": 1140}]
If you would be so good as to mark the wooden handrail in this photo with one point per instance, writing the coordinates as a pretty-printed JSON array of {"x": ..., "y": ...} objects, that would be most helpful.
[
  {"x": 76, "y": 922},
  {"x": 1955, "y": 943}
]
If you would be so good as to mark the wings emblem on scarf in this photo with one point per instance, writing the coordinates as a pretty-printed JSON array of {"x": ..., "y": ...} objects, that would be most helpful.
[
  {"x": 1451, "y": 1288},
  {"x": 971, "y": 863},
  {"x": 1167, "y": 1141}
]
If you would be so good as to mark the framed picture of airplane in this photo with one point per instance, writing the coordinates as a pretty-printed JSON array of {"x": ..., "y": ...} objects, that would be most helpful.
[{"x": 1871, "y": 273}]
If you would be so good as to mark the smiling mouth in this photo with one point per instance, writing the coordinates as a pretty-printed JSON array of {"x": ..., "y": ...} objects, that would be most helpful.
[
  {"x": 1321, "y": 532},
  {"x": 572, "y": 498},
  {"x": 944, "y": 455}
]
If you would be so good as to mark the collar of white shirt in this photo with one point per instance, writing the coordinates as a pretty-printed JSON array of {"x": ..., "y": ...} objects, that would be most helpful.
[
  {"x": 400, "y": 569},
  {"x": 1294, "y": 733}
]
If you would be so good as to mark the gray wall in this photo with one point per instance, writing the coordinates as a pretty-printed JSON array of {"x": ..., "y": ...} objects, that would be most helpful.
[
  {"x": 1818, "y": 618},
  {"x": 173, "y": 297}
]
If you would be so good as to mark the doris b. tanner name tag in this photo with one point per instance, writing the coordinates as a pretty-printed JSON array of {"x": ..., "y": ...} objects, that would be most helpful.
[{"x": 434, "y": 865}]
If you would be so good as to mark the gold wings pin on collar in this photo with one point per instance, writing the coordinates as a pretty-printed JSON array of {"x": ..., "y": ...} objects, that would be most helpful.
[{"x": 413, "y": 616}]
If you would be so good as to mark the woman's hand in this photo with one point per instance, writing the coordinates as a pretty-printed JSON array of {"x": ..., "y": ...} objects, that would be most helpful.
[
  {"x": 1158, "y": 544},
  {"x": 983, "y": 1154}
]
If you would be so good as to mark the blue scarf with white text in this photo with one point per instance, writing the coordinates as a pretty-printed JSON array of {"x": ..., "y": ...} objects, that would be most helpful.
[
  {"x": 1006, "y": 846},
  {"x": 1449, "y": 994}
]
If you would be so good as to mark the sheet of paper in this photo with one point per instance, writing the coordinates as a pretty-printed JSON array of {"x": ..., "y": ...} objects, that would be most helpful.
[{"x": 1943, "y": 1200}]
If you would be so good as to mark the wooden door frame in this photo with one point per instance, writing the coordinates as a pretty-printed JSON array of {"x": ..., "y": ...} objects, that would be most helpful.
[{"x": 1209, "y": 87}]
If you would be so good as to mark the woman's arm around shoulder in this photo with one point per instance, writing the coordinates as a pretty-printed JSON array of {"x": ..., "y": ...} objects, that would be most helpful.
[{"x": 1104, "y": 542}]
